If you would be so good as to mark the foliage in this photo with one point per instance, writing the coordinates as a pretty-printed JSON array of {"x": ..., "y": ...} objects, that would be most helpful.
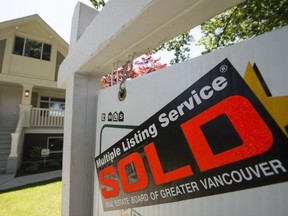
[
  {"x": 35, "y": 152},
  {"x": 180, "y": 46},
  {"x": 33, "y": 167},
  {"x": 33, "y": 201},
  {"x": 38, "y": 165},
  {"x": 245, "y": 21},
  {"x": 55, "y": 163},
  {"x": 98, "y": 3},
  {"x": 142, "y": 65}
]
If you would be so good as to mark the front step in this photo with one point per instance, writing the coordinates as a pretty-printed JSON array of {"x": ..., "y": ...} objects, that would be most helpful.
[
  {"x": 5, "y": 146},
  {"x": 3, "y": 165}
]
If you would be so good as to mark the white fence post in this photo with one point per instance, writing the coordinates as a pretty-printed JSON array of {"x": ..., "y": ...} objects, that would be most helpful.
[{"x": 79, "y": 147}]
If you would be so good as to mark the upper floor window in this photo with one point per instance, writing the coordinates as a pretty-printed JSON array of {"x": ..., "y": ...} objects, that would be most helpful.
[
  {"x": 52, "y": 103},
  {"x": 32, "y": 48}
]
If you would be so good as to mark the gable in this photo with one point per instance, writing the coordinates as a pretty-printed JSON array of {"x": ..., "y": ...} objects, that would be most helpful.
[
  {"x": 31, "y": 49},
  {"x": 34, "y": 29},
  {"x": 34, "y": 25}
]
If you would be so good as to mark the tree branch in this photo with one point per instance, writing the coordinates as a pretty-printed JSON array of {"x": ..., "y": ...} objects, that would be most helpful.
[{"x": 226, "y": 25}]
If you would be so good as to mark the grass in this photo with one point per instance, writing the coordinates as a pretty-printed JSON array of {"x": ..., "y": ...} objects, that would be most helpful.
[{"x": 33, "y": 200}]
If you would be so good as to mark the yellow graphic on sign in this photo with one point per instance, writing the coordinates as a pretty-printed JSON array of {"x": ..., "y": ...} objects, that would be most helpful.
[{"x": 276, "y": 106}]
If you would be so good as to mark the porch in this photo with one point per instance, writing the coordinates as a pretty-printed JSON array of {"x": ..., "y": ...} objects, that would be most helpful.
[
  {"x": 30, "y": 119},
  {"x": 40, "y": 117}
]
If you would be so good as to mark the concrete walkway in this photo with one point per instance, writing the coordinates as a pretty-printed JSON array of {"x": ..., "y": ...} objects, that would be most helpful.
[{"x": 9, "y": 181}]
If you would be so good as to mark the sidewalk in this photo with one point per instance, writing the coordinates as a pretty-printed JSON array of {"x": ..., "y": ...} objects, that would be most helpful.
[{"x": 9, "y": 181}]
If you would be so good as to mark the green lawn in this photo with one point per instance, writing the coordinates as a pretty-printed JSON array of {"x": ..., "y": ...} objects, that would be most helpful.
[{"x": 41, "y": 200}]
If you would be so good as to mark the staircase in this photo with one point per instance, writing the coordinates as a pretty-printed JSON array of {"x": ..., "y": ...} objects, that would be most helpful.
[{"x": 5, "y": 145}]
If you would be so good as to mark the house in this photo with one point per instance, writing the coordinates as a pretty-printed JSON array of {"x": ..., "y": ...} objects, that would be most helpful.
[{"x": 31, "y": 104}]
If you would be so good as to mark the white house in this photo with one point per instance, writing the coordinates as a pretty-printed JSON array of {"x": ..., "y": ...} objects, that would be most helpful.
[{"x": 31, "y": 104}]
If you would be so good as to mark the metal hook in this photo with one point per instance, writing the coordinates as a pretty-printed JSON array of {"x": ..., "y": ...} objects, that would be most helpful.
[
  {"x": 122, "y": 90},
  {"x": 125, "y": 72}
]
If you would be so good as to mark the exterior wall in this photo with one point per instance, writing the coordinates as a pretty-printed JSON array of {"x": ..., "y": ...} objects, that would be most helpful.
[
  {"x": 2, "y": 50},
  {"x": 60, "y": 57},
  {"x": 10, "y": 98},
  {"x": 38, "y": 92},
  {"x": 7, "y": 36},
  {"x": 21, "y": 66}
]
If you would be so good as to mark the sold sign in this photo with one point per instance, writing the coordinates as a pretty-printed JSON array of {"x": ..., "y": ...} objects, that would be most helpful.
[
  {"x": 256, "y": 137},
  {"x": 215, "y": 137}
]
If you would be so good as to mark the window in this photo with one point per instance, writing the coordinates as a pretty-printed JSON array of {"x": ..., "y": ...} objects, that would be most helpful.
[
  {"x": 52, "y": 103},
  {"x": 32, "y": 48},
  {"x": 18, "y": 46},
  {"x": 55, "y": 144},
  {"x": 46, "y": 52}
]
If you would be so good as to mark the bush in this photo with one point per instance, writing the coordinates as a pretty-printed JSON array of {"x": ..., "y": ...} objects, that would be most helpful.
[
  {"x": 55, "y": 163},
  {"x": 35, "y": 152},
  {"x": 33, "y": 167}
]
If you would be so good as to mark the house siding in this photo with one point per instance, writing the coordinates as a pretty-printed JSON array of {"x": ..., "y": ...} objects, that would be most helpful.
[
  {"x": 10, "y": 98},
  {"x": 59, "y": 60},
  {"x": 2, "y": 53}
]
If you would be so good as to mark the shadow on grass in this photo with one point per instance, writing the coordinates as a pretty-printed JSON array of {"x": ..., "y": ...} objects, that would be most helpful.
[{"x": 42, "y": 183}]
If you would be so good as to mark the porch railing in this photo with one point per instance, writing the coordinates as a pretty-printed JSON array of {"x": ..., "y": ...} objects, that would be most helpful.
[{"x": 46, "y": 118}]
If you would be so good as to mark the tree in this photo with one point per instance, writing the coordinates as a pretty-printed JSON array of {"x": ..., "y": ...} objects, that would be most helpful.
[
  {"x": 180, "y": 44},
  {"x": 142, "y": 65},
  {"x": 98, "y": 3},
  {"x": 245, "y": 21}
]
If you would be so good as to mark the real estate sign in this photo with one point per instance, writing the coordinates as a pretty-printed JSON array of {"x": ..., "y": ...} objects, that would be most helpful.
[{"x": 198, "y": 135}]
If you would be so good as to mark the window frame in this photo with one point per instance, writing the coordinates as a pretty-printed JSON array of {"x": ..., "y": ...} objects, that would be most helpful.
[
  {"x": 43, "y": 44},
  {"x": 50, "y": 101}
]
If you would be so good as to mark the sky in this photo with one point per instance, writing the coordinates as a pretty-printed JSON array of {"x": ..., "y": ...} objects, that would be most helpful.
[
  {"x": 58, "y": 15},
  {"x": 194, "y": 50}
]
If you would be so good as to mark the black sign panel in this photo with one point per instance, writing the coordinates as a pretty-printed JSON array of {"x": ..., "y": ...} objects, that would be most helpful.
[{"x": 215, "y": 137}]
